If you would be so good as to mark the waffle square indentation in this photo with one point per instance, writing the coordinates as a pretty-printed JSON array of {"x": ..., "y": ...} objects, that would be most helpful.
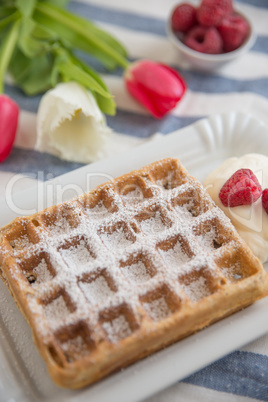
[
  {"x": 153, "y": 220},
  {"x": 190, "y": 202},
  {"x": 61, "y": 220},
  {"x": 37, "y": 268},
  {"x": 175, "y": 251},
  {"x": 198, "y": 284},
  {"x": 133, "y": 190},
  {"x": 97, "y": 286},
  {"x": 98, "y": 205},
  {"x": 22, "y": 235},
  {"x": 57, "y": 307},
  {"x": 118, "y": 322},
  {"x": 160, "y": 303},
  {"x": 169, "y": 176},
  {"x": 118, "y": 235},
  {"x": 77, "y": 254},
  {"x": 138, "y": 268},
  {"x": 212, "y": 234},
  {"x": 75, "y": 341}
]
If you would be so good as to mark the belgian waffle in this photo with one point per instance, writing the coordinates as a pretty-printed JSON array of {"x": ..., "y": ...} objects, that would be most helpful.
[{"x": 124, "y": 270}]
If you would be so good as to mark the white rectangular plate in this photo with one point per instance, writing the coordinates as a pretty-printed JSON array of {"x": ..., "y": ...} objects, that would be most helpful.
[{"x": 201, "y": 147}]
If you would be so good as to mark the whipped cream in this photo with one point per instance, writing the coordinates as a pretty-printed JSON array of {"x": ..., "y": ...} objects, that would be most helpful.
[{"x": 251, "y": 221}]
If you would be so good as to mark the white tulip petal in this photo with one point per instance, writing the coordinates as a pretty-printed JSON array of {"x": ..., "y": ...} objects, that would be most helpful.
[{"x": 70, "y": 124}]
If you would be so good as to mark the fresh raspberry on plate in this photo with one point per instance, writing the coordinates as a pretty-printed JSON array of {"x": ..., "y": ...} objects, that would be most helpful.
[
  {"x": 183, "y": 17},
  {"x": 205, "y": 40},
  {"x": 211, "y": 12},
  {"x": 265, "y": 199},
  {"x": 234, "y": 29},
  {"x": 243, "y": 188}
]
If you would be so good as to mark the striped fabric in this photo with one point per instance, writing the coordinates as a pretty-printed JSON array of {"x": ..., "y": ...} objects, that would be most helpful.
[{"x": 239, "y": 86}]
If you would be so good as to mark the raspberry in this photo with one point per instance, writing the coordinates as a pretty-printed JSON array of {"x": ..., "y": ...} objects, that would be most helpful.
[
  {"x": 265, "y": 199},
  {"x": 242, "y": 188},
  {"x": 233, "y": 29},
  {"x": 211, "y": 12},
  {"x": 183, "y": 17},
  {"x": 205, "y": 40}
]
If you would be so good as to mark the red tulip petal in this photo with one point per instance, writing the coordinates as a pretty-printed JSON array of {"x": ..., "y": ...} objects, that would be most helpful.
[
  {"x": 139, "y": 94},
  {"x": 9, "y": 113},
  {"x": 157, "y": 86}
]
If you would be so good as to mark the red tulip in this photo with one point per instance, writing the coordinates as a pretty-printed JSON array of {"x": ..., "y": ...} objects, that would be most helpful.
[
  {"x": 156, "y": 86},
  {"x": 9, "y": 114}
]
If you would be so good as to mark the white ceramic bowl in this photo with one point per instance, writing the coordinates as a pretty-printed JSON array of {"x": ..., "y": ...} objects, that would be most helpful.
[{"x": 204, "y": 61}]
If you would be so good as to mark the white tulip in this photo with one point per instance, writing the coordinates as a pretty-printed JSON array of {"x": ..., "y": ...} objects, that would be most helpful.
[{"x": 70, "y": 124}]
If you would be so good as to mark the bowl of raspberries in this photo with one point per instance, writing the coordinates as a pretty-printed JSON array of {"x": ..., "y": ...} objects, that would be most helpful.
[{"x": 211, "y": 34}]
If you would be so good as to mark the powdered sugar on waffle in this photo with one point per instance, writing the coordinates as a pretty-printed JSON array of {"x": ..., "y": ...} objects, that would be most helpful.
[
  {"x": 174, "y": 257},
  {"x": 153, "y": 224},
  {"x": 197, "y": 290},
  {"x": 96, "y": 291},
  {"x": 133, "y": 196},
  {"x": 117, "y": 239},
  {"x": 75, "y": 347},
  {"x": 207, "y": 239},
  {"x": 157, "y": 309},
  {"x": 117, "y": 329},
  {"x": 57, "y": 309},
  {"x": 62, "y": 226},
  {"x": 21, "y": 242},
  {"x": 41, "y": 273},
  {"x": 137, "y": 272},
  {"x": 113, "y": 237},
  {"x": 77, "y": 257},
  {"x": 97, "y": 212}
]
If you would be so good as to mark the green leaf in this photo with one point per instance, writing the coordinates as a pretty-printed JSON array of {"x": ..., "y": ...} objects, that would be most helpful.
[
  {"x": 107, "y": 38},
  {"x": 19, "y": 65},
  {"x": 42, "y": 33},
  {"x": 7, "y": 49},
  {"x": 9, "y": 19},
  {"x": 26, "y": 43},
  {"x": 26, "y": 7},
  {"x": 72, "y": 72},
  {"x": 68, "y": 68},
  {"x": 107, "y": 105},
  {"x": 74, "y": 27},
  {"x": 70, "y": 18},
  {"x": 6, "y": 11},
  {"x": 33, "y": 85},
  {"x": 33, "y": 76},
  {"x": 55, "y": 76},
  {"x": 57, "y": 3},
  {"x": 34, "y": 40},
  {"x": 71, "y": 39},
  {"x": 88, "y": 70}
]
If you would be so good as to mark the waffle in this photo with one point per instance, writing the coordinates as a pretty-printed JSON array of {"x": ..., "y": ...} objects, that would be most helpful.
[{"x": 124, "y": 270}]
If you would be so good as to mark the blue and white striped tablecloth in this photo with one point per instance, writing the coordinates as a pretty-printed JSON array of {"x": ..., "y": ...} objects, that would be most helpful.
[{"x": 239, "y": 86}]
